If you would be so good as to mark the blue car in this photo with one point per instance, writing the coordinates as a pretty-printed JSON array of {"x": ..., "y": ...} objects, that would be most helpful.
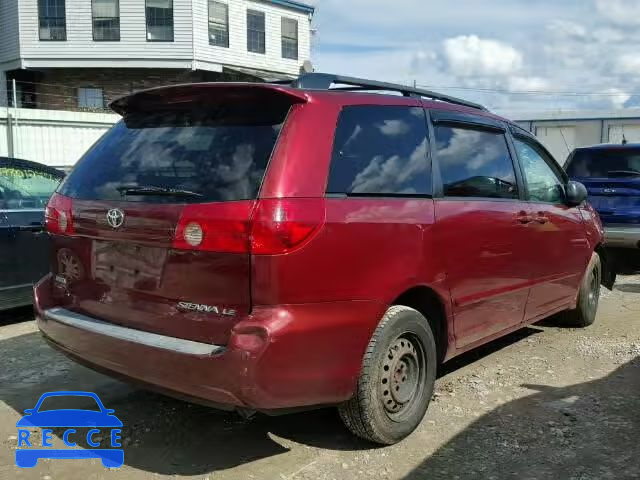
[
  {"x": 611, "y": 174},
  {"x": 69, "y": 418}
]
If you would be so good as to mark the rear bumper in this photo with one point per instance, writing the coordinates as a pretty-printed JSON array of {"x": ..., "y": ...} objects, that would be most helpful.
[
  {"x": 277, "y": 358},
  {"x": 622, "y": 236}
]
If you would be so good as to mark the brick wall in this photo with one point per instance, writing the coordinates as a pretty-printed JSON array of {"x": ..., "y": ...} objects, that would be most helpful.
[{"x": 57, "y": 89}]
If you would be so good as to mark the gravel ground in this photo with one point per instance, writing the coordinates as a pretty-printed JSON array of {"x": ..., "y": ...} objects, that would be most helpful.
[{"x": 544, "y": 403}]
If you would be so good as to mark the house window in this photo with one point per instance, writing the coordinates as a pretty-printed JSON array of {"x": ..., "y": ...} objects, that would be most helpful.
[
  {"x": 255, "y": 31},
  {"x": 218, "y": 24},
  {"x": 106, "y": 19},
  {"x": 52, "y": 20},
  {"x": 159, "y": 20},
  {"x": 289, "y": 38},
  {"x": 90, "y": 98}
]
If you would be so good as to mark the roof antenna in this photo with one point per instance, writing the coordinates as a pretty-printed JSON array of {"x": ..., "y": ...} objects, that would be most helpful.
[{"x": 624, "y": 140}]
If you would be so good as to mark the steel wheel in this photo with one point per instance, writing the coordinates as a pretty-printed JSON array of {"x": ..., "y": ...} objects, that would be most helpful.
[
  {"x": 397, "y": 378},
  {"x": 588, "y": 297},
  {"x": 593, "y": 294},
  {"x": 402, "y": 376}
]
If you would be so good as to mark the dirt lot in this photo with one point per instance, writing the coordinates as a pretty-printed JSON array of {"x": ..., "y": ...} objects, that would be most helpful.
[{"x": 546, "y": 403}]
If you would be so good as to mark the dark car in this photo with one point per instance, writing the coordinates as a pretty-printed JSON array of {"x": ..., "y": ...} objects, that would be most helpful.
[
  {"x": 25, "y": 188},
  {"x": 270, "y": 247},
  {"x": 611, "y": 174}
]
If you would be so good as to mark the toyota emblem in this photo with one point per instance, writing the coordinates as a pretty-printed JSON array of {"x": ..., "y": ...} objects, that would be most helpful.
[{"x": 115, "y": 217}]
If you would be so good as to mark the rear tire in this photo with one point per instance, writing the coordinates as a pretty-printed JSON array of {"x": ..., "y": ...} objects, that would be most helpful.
[
  {"x": 396, "y": 381},
  {"x": 585, "y": 312}
]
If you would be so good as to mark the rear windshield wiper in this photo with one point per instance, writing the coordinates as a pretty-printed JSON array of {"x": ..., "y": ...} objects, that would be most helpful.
[
  {"x": 151, "y": 190},
  {"x": 631, "y": 173}
]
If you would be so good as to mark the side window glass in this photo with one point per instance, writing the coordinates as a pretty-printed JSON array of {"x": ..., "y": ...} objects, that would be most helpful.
[
  {"x": 474, "y": 163},
  {"x": 380, "y": 150},
  {"x": 25, "y": 188},
  {"x": 542, "y": 182}
]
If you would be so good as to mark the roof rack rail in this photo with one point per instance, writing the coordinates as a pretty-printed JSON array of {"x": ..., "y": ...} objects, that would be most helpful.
[{"x": 324, "y": 81}]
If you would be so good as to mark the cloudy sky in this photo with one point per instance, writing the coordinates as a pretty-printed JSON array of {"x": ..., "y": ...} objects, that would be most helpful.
[{"x": 511, "y": 55}]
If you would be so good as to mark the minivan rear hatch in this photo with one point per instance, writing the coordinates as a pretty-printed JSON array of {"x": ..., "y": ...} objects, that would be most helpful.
[
  {"x": 612, "y": 177},
  {"x": 151, "y": 226}
]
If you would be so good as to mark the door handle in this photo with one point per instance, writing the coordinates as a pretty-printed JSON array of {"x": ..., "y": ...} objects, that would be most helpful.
[{"x": 523, "y": 218}]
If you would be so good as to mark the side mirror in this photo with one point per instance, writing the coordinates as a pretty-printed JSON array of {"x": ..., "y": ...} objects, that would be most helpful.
[{"x": 576, "y": 193}]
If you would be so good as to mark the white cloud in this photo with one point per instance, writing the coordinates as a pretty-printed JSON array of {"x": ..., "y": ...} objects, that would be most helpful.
[
  {"x": 625, "y": 13},
  {"x": 526, "y": 84},
  {"x": 468, "y": 55},
  {"x": 422, "y": 59},
  {"x": 628, "y": 64},
  {"x": 617, "y": 97},
  {"x": 504, "y": 45},
  {"x": 609, "y": 35},
  {"x": 566, "y": 28}
]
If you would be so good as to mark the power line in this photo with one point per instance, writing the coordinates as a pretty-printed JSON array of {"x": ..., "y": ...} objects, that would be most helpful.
[{"x": 529, "y": 92}]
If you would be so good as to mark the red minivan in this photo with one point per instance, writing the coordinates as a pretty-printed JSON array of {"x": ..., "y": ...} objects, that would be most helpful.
[{"x": 267, "y": 247}]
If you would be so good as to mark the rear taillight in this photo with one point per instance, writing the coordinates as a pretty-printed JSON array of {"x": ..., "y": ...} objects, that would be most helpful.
[
  {"x": 214, "y": 227},
  {"x": 58, "y": 216},
  {"x": 263, "y": 227},
  {"x": 282, "y": 225}
]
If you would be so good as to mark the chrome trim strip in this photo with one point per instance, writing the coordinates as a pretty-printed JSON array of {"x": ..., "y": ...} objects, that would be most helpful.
[{"x": 149, "y": 339}]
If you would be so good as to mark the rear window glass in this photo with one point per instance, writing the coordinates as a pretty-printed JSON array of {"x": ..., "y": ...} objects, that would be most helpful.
[
  {"x": 380, "y": 151},
  {"x": 215, "y": 155},
  {"x": 604, "y": 163},
  {"x": 25, "y": 188}
]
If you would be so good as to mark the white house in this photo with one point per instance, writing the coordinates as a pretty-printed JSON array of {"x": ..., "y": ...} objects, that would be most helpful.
[{"x": 80, "y": 54}]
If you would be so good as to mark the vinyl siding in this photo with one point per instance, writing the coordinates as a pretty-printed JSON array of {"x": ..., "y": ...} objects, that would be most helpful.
[
  {"x": 79, "y": 44},
  {"x": 9, "y": 44},
  {"x": 133, "y": 50},
  {"x": 237, "y": 54}
]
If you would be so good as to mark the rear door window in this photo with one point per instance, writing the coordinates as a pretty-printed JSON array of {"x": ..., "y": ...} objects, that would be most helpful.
[
  {"x": 380, "y": 150},
  {"x": 603, "y": 163},
  {"x": 474, "y": 162},
  {"x": 206, "y": 156}
]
